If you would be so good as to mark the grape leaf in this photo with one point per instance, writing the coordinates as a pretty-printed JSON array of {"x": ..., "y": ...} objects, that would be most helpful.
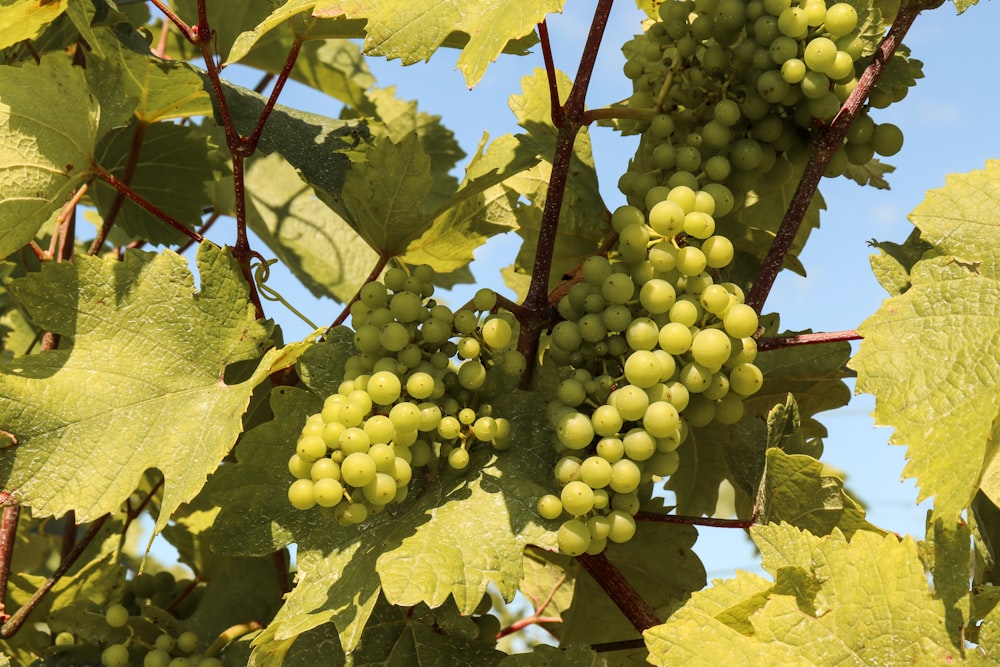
[
  {"x": 871, "y": 173},
  {"x": 25, "y": 19},
  {"x": 962, "y": 5},
  {"x": 947, "y": 363},
  {"x": 893, "y": 263},
  {"x": 186, "y": 153},
  {"x": 832, "y": 601},
  {"x": 151, "y": 354},
  {"x": 308, "y": 237},
  {"x": 45, "y": 147},
  {"x": 551, "y": 656},
  {"x": 413, "y": 31},
  {"x": 130, "y": 80}
]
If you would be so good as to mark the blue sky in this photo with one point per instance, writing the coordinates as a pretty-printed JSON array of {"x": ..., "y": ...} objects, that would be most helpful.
[{"x": 948, "y": 125}]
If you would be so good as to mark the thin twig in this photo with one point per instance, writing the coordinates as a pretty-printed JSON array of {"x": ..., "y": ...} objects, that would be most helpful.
[
  {"x": 775, "y": 342},
  {"x": 110, "y": 179},
  {"x": 17, "y": 619},
  {"x": 373, "y": 275},
  {"x": 8, "y": 533},
  {"x": 622, "y": 593},
  {"x": 550, "y": 74}
]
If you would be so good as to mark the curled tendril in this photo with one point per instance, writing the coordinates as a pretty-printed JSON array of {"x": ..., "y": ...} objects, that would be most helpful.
[{"x": 261, "y": 272}]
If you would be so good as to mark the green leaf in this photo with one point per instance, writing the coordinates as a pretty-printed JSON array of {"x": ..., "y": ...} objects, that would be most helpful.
[
  {"x": 871, "y": 173},
  {"x": 551, "y": 656},
  {"x": 947, "y": 552},
  {"x": 129, "y": 79},
  {"x": 45, "y": 148},
  {"x": 962, "y": 5},
  {"x": 187, "y": 153},
  {"x": 320, "y": 148},
  {"x": 834, "y": 601},
  {"x": 413, "y": 31},
  {"x": 893, "y": 263},
  {"x": 799, "y": 491},
  {"x": 151, "y": 355},
  {"x": 25, "y": 19},
  {"x": 319, "y": 248},
  {"x": 948, "y": 364}
]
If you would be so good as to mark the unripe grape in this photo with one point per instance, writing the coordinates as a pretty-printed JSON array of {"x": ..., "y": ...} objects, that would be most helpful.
[
  {"x": 746, "y": 379},
  {"x": 621, "y": 526},
  {"x": 577, "y": 498},
  {"x": 573, "y": 537},
  {"x": 661, "y": 420},
  {"x": 458, "y": 458},
  {"x": 610, "y": 449},
  {"x": 567, "y": 469},
  {"x": 381, "y": 490},
  {"x": 606, "y": 420},
  {"x": 841, "y": 19},
  {"x": 596, "y": 471},
  {"x": 740, "y": 321},
  {"x": 549, "y": 506},
  {"x": 116, "y": 655},
  {"x": 485, "y": 299},
  {"x": 887, "y": 139},
  {"x": 625, "y": 476},
  {"x": 711, "y": 348},
  {"x": 820, "y": 54},
  {"x": 384, "y": 387},
  {"x": 358, "y": 469},
  {"x": 116, "y": 616},
  {"x": 497, "y": 333},
  {"x": 300, "y": 494},
  {"x": 187, "y": 642},
  {"x": 631, "y": 402},
  {"x": 575, "y": 430}
]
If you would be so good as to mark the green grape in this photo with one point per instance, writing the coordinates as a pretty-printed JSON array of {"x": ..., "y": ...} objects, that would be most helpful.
[
  {"x": 715, "y": 299},
  {"x": 740, "y": 321},
  {"x": 859, "y": 153},
  {"x": 657, "y": 296},
  {"x": 699, "y": 225},
  {"x": 815, "y": 85},
  {"x": 116, "y": 616},
  {"x": 65, "y": 639},
  {"x": 691, "y": 261},
  {"x": 685, "y": 312},
  {"x": 458, "y": 458},
  {"x": 310, "y": 448},
  {"x": 625, "y": 476},
  {"x": 661, "y": 420},
  {"x": 468, "y": 348},
  {"x": 484, "y": 299},
  {"x": 327, "y": 492},
  {"x": 717, "y": 167},
  {"x": 675, "y": 338},
  {"x": 299, "y": 467},
  {"x": 820, "y": 54},
  {"x": 664, "y": 156},
  {"x": 618, "y": 288},
  {"x": 566, "y": 336},
  {"x": 497, "y": 333},
  {"x": 610, "y": 449},
  {"x": 549, "y": 506},
  {"x": 746, "y": 379},
  {"x": 300, "y": 494},
  {"x": 643, "y": 369},
  {"x": 841, "y": 19},
  {"x": 715, "y": 136},
  {"x": 324, "y": 468},
  {"x": 472, "y": 374},
  {"x": 718, "y": 387},
  {"x": 115, "y": 655},
  {"x": 621, "y": 526},
  {"x": 209, "y": 662},
  {"x": 729, "y": 409},
  {"x": 596, "y": 472},
  {"x": 710, "y": 348},
  {"x": 887, "y": 139},
  {"x": 384, "y": 387},
  {"x": 772, "y": 88},
  {"x": 571, "y": 392},
  {"x": 379, "y": 429},
  {"x": 354, "y": 513},
  {"x": 642, "y": 334},
  {"x": 688, "y": 158},
  {"x": 577, "y": 498},
  {"x": 381, "y": 490},
  {"x": 567, "y": 469},
  {"x": 449, "y": 428},
  {"x": 630, "y": 401},
  {"x": 466, "y": 416},
  {"x": 180, "y": 662},
  {"x": 663, "y": 464},
  {"x": 358, "y": 469},
  {"x": 842, "y": 67},
  {"x": 407, "y": 307},
  {"x": 573, "y": 537},
  {"x": 394, "y": 337},
  {"x": 355, "y": 440},
  {"x": 606, "y": 420},
  {"x": 723, "y": 196},
  {"x": 575, "y": 430},
  {"x": 793, "y": 23},
  {"x": 695, "y": 377},
  {"x": 485, "y": 429},
  {"x": 639, "y": 444},
  {"x": 465, "y": 321},
  {"x": 156, "y": 658},
  {"x": 435, "y": 331}
]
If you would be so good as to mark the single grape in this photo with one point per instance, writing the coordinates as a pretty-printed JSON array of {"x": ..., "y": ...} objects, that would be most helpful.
[
  {"x": 65, "y": 639},
  {"x": 300, "y": 494},
  {"x": 458, "y": 458},
  {"x": 156, "y": 658},
  {"x": 573, "y": 537},
  {"x": 577, "y": 498},
  {"x": 625, "y": 476},
  {"x": 116, "y": 616},
  {"x": 549, "y": 506},
  {"x": 621, "y": 526},
  {"x": 740, "y": 321},
  {"x": 887, "y": 139},
  {"x": 115, "y": 655},
  {"x": 575, "y": 430},
  {"x": 746, "y": 379},
  {"x": 820, "y": 54},
  {"x": 841, "y": 19},
  {"x": 358, "y": 469},
  {"x": 639, "y": 444},
  {"x": 384, "y": 387},
  {"x": 327, "y": 492},
  {"x": 711, "y": 348}
]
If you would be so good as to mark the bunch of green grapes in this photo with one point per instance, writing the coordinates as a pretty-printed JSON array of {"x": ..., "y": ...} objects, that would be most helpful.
[
  {"x": 738, "y": 88},
  {"x": 151, "y": 638},
  {"x": 415, "y": 392},
  {"x": 650, "y": 345}
]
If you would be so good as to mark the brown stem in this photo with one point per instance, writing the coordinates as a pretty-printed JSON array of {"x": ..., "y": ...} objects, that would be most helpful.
[
  {"x": 826, "y": 144},
  {"x": 623, "y": 645},
  {"x": 8, "y": 533},
  {"x": 775, "y": 342},
  {"x": 550, "y": 74},
  {"x": 249, "y": 145},
  {"x": 17, "y": 619},
  {"x": 608, "y": 113},
  {"x": 698, "y": 520},
  {"x": 133, "y": 513},
  {"x": 130, "y": 166},
  {"x": 621, "y": 592},
  {"x": 69, "y": 535},
  {"x": 536, "y": 617},
  {"x": 110, "y": 179},
  {"x": 183, "y": 594},
  {"x": 39, "y": 252},
  {"x": 191, "y": 34},
  {"x": 375, "y": 273},
  {"x": 280, "y": 558}
]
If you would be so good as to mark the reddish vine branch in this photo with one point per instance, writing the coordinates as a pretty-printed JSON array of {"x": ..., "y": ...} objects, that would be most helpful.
[
  {"x": 622, "y": 593},
  {"x": 776, "y": 342},
  {"x": 8, "y": 533},
  {"x": 825, "y": 146}
]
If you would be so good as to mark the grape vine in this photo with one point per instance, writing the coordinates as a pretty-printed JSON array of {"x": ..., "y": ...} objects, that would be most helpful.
[{"x": 422, "y": 482}]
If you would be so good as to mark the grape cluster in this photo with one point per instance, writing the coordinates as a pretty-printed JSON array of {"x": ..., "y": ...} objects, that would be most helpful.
[
  {"x": 150, "y": 637},
  {"x": 649, "y": 346},
  {"x": 738, "y": 88},
  {"x": 413, "y": 394}
]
